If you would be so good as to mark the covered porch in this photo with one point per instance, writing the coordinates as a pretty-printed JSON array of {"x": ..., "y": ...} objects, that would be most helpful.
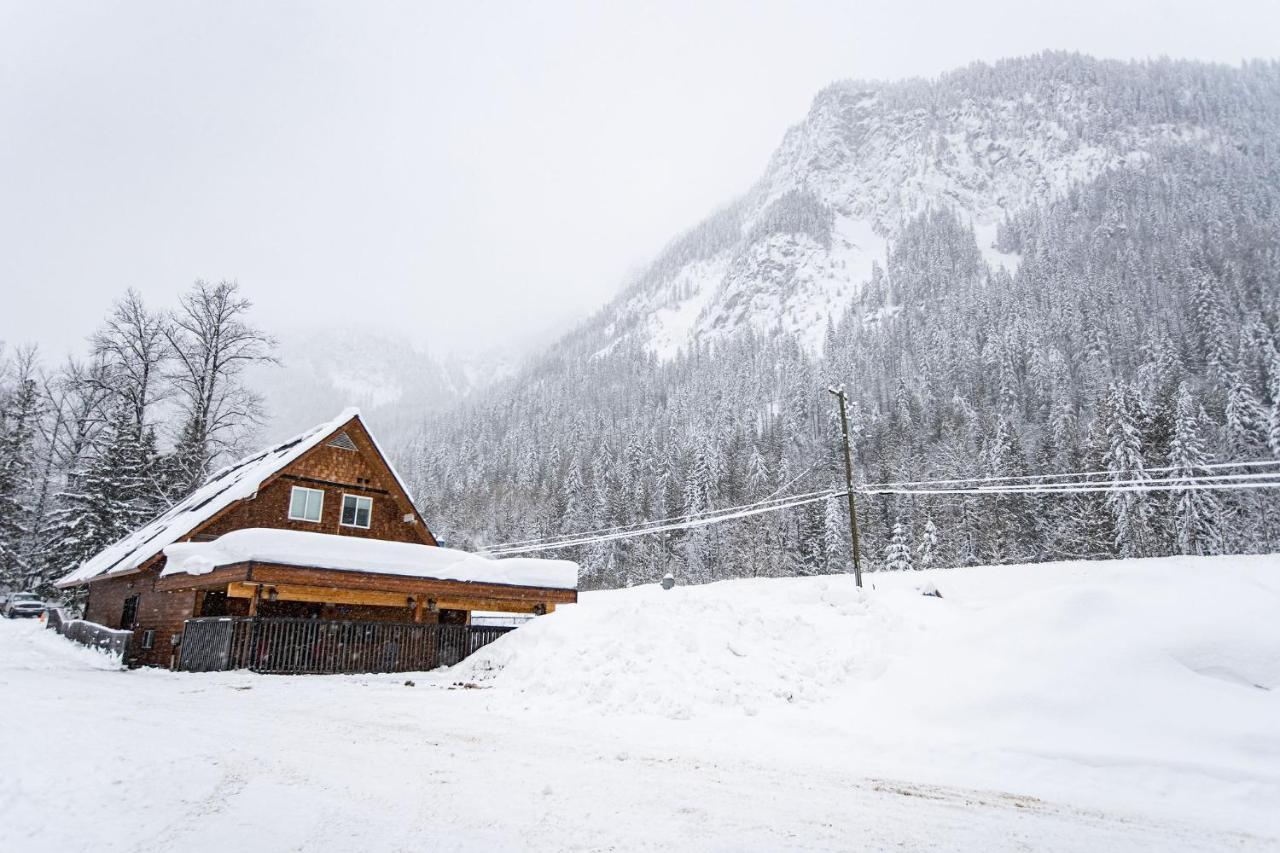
[
  {"x": 273, "y": 590},
  {"x": 282, "y": 601}
]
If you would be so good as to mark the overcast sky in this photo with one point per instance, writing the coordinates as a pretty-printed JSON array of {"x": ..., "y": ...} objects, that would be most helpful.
[{"x": 468, "y": 172}]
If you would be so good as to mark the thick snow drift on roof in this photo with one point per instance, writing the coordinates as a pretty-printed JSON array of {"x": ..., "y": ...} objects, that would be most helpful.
[
  {"x": 357, "y": 554},
  {"x": 234, "y": 482}
]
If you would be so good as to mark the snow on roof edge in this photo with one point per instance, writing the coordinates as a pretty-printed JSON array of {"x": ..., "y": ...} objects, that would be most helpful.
[{"x": 360, "y": 554}]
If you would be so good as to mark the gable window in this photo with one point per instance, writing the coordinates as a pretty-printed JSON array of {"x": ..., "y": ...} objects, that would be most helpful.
[
  {"x": 356, "y": 510},
  {"x": 305, "y": 504}
]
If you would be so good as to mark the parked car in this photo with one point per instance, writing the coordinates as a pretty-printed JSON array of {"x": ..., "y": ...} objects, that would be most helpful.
[{"x": 24, "y": 604}]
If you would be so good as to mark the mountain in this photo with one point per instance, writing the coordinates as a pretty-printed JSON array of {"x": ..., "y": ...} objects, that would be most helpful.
[
  {"x": 1046, "y": 265},
  {"x": 394, "y": 381},
  {"x": 869, "y": 157}
]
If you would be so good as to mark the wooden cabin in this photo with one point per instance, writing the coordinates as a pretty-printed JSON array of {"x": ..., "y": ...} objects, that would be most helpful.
[{"x": 317, "y": 528}]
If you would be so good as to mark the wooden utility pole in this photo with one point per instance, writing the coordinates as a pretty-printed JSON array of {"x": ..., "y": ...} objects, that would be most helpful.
[{"x": 848, "y": 483}]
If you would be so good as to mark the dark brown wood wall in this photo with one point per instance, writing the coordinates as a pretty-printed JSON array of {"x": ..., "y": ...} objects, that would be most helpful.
[
  {"x": 336, "y": 472},
  {"x": 163, "y": 612}
]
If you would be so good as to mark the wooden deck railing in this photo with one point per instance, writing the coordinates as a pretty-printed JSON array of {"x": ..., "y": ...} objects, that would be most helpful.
[
  {"x": 89, "y": 633},
  {"x": 296, "y": 646}
]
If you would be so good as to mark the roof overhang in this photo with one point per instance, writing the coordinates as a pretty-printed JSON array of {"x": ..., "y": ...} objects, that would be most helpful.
[{"x": 469, "y": 595}]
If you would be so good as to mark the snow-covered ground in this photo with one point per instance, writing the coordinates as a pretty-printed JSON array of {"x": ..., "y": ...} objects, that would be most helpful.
[{"x": 1069, "y": 706}]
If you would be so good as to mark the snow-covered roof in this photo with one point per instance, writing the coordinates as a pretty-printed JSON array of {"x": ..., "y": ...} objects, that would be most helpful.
[
  {"x": 235, "y": 482},
  {"x": 358, "y": 554}
]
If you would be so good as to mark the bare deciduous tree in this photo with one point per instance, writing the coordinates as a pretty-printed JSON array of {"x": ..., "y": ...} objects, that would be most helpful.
[
  {"x": 212, "y": 344},
  {"x": 134, "y": 349}
]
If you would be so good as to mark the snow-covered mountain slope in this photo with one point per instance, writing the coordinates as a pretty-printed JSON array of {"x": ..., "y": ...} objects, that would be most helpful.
[
  {"x": 1069, "y": 249},
  {"x": 985, "y": 141},
  {"x": 394, "y": 381}
]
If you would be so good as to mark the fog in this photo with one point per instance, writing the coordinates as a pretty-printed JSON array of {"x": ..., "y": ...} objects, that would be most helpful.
[{"x": 468, "y": 174}]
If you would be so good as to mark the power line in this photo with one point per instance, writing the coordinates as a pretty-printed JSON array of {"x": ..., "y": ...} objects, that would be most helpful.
[
  {"x": 1165, "y": 469},
  {"x": 1163, "y": 485},
  {"x": 639, "y": 524},
  {"x": 685, "y": 525},
  {"x": 1002, "y": 486}
]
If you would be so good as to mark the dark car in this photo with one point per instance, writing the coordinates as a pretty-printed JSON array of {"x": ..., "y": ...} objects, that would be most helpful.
[{"x": 24, "y": 604}]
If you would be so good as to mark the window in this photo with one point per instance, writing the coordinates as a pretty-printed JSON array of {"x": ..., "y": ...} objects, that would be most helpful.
[
  {"x": 305, "y": 504},
  {"x": 129, "y": 615},
  {"x": 356, "y": 510},
  {"x": 149, "y": 638}
]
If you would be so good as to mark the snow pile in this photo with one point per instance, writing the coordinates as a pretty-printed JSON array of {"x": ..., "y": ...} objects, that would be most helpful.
[
  {"x": 358, "y": 554},
  {"x": 737, "y": 645},
  {"x": 1150, "y": 657},
  {"x": 1093, "y": 683}
]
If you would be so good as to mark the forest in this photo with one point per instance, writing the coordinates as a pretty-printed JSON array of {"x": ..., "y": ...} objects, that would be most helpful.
[
  {"x": 1139, "y": 332},
  {"x": 94, "y": 447}
]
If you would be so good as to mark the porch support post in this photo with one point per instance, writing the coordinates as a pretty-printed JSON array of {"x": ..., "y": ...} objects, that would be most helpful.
[
  {"x": 253, "y": 602},
  {"x": 419, "y": 607}
]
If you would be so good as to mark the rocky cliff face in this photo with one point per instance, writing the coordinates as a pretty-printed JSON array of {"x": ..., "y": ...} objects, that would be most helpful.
[{"x": 986, "y": 142}]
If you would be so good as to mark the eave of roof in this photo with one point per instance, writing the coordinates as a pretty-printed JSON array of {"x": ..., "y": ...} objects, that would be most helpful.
[{"x": 361, "y": 555}]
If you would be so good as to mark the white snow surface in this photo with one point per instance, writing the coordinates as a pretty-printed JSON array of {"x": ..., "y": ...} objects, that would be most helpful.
[
  {"x": 1122, "y": 705},
  {"x": 358, "y": 554},
  {"x": 234, "y": 482}
]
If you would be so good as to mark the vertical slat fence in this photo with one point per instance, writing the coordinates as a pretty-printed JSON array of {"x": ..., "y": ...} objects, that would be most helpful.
[{"x": 308, "y": 646}]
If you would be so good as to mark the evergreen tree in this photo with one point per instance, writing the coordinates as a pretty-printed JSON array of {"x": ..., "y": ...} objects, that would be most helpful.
[
  {"x": 897, "y": 554},
  {"x": 835, "y": 529},
  {"x": 111, "y": 496},
  {"x": 19, "y": 413},
  {"x": 813, "y": 540},
  {"x": 928, "y": 547},
  {"x": 1126, "y": 469},
  {"x": 1246, "y": 424},
  {"x": 1196, "y": 513}
]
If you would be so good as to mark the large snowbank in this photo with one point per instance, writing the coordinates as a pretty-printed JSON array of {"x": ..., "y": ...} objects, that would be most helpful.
[
  {"x": 358, "y": 554},
  {"x": 1062, "y": 707},
  {"x": 1089, "y": 642},
  {"x": 1159, "y": 674},
  {"x": 731, "y": 645}
]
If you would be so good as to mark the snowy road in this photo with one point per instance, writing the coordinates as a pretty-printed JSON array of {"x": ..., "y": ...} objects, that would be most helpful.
[{"x": 149, "y": 760}]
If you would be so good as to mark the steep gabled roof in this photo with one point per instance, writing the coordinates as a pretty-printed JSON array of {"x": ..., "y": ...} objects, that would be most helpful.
[{"x": 233, "y": 483}]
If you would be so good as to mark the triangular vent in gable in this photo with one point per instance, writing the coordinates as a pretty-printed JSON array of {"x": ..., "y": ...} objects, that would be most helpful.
[{"x": 342, "y": 441}]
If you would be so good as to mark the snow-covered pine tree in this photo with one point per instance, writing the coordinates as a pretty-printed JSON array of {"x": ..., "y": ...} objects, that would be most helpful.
[
  {"x": 927, "y": 549},
  {"x": 1273, "y": 420},
  {"x": 695, "y": 543},
  {"x": 1126, "y": 468},
  {"x": 1246, "y": 423},
  {"x": 20, "y": 410},
  {"x": 897, "y": 553},
  {"x": 111, "y": 496},
  {"x": 813, "y": 540},
  {"x": 835, "y": 534},
  {"x": 1196, "y": 513}
]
